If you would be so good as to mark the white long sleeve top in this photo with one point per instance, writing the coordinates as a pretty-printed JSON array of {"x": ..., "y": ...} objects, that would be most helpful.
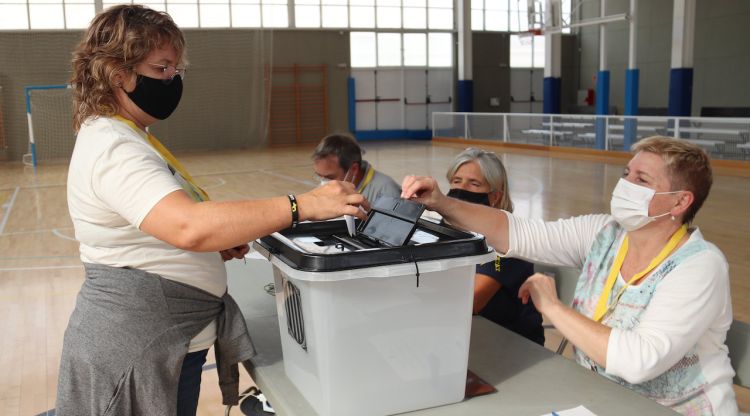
[{"x": 668, "y": 332}]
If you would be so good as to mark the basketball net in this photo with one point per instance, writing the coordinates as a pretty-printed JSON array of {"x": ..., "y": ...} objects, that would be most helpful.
[
  {"x": 527, "y": 36},
  {"x": 534, "y": 21}
]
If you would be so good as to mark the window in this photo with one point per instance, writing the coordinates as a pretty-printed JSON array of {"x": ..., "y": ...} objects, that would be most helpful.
[
  {"x": 477, "y": 14},
  {"x": 497, "y": 16},
  {"x": 13, "y": 14},
  {"x": 415, "y": 49},
  {"x": 307, "y": 13},
  {"x": 356, "y": 14},
  {"x": 388, "y": 14},
  {"x": 335, "y": 13},
  {"x": 440, "y": 14},
  {"x": 415, "y": 14},
  {"x": 526, "y": 51},
  {"x": 440, "y": 51},
  {"x": 245, "y": 13},
  {"x": 370, "y": 49},
  {"x": 362, "y": 13},
  {"x": 184, "y": 13},
  {"x": 45, "y": 14},
  {"x": 512, "y": 15},
  {"x": 389, "y": 49},
  {"x": 214, "y": 13},
  {"x": 362, "y": 47},
  {"x": 567, "y": 14},
  {"x": 274, "y": 13},
  {"x": 78, "y": 13}
]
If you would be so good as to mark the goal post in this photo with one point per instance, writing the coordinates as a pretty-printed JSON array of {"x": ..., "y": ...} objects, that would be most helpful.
[{"x": 31, "y": 157}]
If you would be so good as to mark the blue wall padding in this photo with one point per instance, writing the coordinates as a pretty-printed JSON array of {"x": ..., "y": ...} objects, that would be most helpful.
[
  {"x": 465, "y": 96},
  {"x": 552, "y": 95},
  {"x": 680, "y": 91}
]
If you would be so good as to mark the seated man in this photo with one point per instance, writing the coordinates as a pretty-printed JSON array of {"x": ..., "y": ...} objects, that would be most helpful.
[{"x": 339, "y": 157}]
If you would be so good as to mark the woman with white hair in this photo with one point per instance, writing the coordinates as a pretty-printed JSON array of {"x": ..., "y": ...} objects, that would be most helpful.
[{"x": 479, "y": 177}]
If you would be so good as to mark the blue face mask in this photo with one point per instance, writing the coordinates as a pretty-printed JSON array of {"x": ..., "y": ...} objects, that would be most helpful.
[{"x": 157, "y": 97}]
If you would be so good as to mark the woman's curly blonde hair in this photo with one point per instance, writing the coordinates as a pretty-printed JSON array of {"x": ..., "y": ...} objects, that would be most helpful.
[{"x": 117, "y": 39}]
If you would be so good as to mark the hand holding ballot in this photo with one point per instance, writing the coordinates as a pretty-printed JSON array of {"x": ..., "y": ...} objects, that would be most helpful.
[{"x": 331, "y": 200}]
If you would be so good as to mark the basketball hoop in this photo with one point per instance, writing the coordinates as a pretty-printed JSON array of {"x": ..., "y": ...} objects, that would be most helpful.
[{"x": 526, "y": 36}]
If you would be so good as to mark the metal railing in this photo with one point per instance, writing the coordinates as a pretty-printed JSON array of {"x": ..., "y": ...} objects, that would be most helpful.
[{"x": 722, "y": 138}]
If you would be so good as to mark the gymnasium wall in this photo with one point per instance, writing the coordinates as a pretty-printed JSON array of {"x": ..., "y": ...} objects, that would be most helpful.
[
  {"x": 493, "y": 76},
  {"x": 30, "y": 58},
  {"x": 721, "y": 52},
  {"x": 223, "y": 101},
  {"x": 491, "y": 71}
]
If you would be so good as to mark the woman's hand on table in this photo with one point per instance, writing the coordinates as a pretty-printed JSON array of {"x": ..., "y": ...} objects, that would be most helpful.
[{"x": 542, "y": 291}]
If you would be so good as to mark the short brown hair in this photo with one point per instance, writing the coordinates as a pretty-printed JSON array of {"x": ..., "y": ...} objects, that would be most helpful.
[
  {"x": 342, "y": 146},
  {"x": 117, "y": 39},
  {"x": 688, "y": 167}
]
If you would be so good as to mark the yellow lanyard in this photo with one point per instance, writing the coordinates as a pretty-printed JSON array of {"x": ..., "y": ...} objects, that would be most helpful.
[
  {"x": 602, "y": 306},
  {"x": 194, "y": 191},
  {"x": 368, "y": 177}
]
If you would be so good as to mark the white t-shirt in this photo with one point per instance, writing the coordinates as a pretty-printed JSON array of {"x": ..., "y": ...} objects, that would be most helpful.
[{"x": 115, "y": 178}]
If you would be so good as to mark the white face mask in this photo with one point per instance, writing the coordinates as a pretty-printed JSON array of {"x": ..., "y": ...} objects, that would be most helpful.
[
  {"x": 323, "y": 182},
  {"x": 629, "y": 205}
]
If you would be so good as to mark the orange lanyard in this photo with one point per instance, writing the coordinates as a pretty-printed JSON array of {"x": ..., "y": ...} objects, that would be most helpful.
[
  {"x": 603, "y": 306},
  {"x": 193, "y": 190}
]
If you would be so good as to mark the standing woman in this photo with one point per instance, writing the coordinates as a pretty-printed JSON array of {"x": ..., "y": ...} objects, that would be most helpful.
[
  {"x": 479, "y": 177},
  {"x": 152, "y": 243}
]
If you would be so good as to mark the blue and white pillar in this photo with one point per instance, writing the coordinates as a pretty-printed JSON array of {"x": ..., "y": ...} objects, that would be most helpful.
[
  {"x": 681, "y": 74},
  {"x": 552, "y": 60},
  {"x": 631, "y": 81},
  {"x": 465, "y": 87},
  {"x": 602, "y": 83}
]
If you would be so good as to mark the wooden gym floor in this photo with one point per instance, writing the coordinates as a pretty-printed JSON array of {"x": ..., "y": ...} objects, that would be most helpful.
[{"x": 40, "y": 271}]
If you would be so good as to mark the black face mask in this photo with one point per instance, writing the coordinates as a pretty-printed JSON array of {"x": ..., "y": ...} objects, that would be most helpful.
[
  {"x": 468, "y": 196},
  {"x": 157, "y": 97}
]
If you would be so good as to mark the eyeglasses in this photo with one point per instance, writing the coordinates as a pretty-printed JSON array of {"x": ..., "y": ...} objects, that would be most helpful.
[{"x": 170, "y": 71}]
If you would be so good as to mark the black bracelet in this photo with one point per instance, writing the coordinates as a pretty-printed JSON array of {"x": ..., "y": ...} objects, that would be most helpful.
[{"x": 295, "y": 211}]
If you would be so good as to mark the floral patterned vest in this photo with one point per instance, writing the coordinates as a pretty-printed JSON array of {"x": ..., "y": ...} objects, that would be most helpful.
[{"x": 682, "y": 386}]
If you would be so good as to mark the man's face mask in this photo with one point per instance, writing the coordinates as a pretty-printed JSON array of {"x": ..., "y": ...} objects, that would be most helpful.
[
  {"x": 468, "y": 196},
  {"x": 157, "y": 97}
]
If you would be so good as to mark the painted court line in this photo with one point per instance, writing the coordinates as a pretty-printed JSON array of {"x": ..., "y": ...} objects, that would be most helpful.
[
  {"x": 38, "y": 258},
  {"x": 219, "y": 183},
  {"x": 49, "y": 230},
  {"x": 61, "y": 235},
  {"x": 289, "y": 178},
  {"x": 49, "y": 185},
  {"x": 9, "y": 208},
  {"x": 21, "y": 269}
]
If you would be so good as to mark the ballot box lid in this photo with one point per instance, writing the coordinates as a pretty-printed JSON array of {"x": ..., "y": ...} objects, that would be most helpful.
[{"x": 323, "y": 246}]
